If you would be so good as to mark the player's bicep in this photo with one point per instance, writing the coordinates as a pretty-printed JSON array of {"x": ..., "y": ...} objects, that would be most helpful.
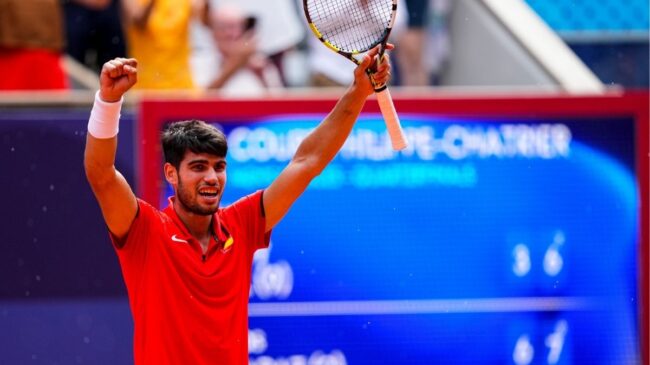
[
  {"x": 285, "y": 189},
  {"x": 115, "y": 197},
  {"x": 118, "y": 204}
]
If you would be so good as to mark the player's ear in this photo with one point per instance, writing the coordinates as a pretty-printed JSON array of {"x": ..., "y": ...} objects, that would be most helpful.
[{"x": 171, "y": 174}]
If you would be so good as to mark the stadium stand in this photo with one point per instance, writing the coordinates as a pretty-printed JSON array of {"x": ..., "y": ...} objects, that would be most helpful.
[{"x": 610, "y": 36}]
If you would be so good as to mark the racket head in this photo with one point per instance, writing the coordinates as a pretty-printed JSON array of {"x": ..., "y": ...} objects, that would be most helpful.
[{"x": 350, "y": 27}]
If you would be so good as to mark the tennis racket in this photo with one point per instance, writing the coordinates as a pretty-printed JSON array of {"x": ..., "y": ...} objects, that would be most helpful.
[{"x": 352, "y": 27}]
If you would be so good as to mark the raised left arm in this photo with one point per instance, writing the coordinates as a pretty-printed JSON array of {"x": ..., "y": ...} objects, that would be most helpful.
[{"x": 322, "y": 144}]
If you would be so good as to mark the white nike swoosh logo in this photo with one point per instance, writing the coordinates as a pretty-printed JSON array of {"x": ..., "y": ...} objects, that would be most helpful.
[{"x": 176, "y": 239}]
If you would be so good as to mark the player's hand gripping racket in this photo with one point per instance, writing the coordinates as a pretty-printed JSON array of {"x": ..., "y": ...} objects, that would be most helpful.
[{"x": 351, "y": 27}]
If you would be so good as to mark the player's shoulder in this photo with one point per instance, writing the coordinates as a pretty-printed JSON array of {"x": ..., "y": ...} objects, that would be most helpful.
[
  {"x": 246, "y": 206},
  {"x": 148, "y": 211},
  {"x": 246, "y": 201},
  {"x": 144, "y": 205}
]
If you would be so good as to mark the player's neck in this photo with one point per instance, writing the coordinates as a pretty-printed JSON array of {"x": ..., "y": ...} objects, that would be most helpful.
[{"x": 198, "y": 225}]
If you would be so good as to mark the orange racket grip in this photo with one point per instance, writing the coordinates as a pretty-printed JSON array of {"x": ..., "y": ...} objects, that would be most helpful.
[{"x": 397, "y": 138}]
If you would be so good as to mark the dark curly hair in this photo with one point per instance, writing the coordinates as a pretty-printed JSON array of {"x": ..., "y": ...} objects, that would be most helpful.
[{"x": 194, "y": 135}]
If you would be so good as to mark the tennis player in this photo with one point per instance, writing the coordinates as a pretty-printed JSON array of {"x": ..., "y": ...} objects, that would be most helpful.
[{"x": 187, "y": 268}]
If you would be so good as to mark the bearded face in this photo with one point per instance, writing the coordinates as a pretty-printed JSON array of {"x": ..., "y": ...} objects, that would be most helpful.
[{"x": 200, "y": 183}]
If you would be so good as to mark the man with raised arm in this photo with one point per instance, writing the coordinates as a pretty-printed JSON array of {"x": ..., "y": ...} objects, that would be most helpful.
[{"x": 187, "y": 268}]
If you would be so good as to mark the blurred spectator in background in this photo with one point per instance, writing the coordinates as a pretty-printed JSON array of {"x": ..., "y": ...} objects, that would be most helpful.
[
  {"x": 423, "y": 43},
  {"x": 241, "y": 68},
  {"x": 31, "y": 42},
  {"x": 158, "y": 37},
  {"x": 204, "y": 57},
  {"x": 437, "y": 44},
  {"x": 279, "y": 29},
  {"x": 411, "y": 41},
  {"x": 93, "y": 31}
]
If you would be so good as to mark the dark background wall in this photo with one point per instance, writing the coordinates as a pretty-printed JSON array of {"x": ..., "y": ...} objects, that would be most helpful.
[{"x": 62, "y": 298}]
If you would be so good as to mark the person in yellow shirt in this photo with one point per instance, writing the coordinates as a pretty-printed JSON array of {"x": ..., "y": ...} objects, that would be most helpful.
[{"x": 158, "y": 36}]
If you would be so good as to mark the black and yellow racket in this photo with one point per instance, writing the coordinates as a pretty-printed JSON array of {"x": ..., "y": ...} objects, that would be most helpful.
[{"x": 352, "y": 27}]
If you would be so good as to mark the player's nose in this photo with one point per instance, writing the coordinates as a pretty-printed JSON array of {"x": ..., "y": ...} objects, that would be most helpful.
[{"x": 211, "y": 177}]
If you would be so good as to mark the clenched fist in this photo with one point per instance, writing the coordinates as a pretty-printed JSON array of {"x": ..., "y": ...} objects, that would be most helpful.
[{"x": 117, "y": 77}]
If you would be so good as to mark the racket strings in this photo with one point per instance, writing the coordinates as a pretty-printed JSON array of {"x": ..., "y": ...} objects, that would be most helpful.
[{"x": 351, "y": 25}]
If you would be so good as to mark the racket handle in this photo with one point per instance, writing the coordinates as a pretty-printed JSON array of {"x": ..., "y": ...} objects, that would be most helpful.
[{"x": 397, "y": 138}]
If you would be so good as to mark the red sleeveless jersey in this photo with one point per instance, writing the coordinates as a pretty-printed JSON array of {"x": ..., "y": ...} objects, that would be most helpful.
[{"x": 191, "y": 308}]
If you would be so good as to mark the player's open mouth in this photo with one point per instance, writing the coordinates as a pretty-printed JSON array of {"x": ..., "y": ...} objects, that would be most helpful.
[{"x": 209, "y": 193}]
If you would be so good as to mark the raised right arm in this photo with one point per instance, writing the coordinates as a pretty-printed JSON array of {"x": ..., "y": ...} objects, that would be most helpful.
[{"x": 114, "y": 195}]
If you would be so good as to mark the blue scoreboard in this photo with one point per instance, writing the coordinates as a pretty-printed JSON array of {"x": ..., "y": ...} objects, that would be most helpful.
[{"x": 489, "y": 240}]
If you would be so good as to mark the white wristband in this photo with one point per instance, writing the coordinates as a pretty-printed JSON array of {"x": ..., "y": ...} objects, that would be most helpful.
[{"x": 104, "y": 118}]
